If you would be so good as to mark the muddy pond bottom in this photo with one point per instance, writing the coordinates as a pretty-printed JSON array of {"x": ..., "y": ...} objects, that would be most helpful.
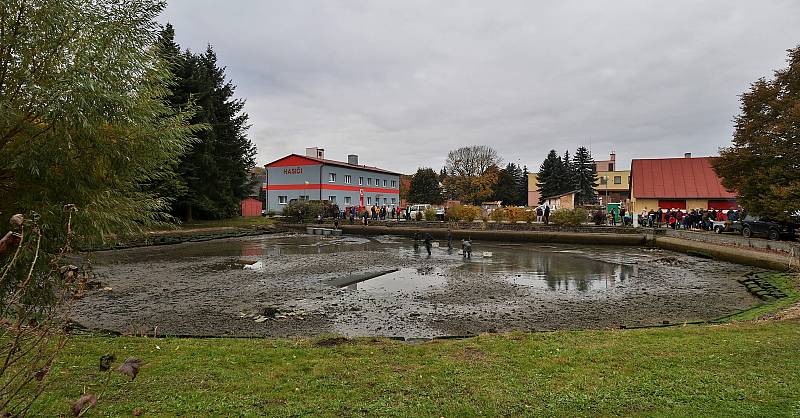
[{"x": 300, "y": 285}]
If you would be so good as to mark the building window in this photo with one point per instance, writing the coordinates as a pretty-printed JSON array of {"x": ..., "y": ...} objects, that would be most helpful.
[
  {"x": 332, "y": 178},
  {"x": 369, "y": 181},
  {"x": 348, "y": 179},
  {"x": 347, "y": 200},
  {"x": 394, "y": 201},
  {"x": 385, "y": 201},
  {"x": 303, "y": 198},
  {"x": 369, "y": 200},
  {"x": 617, "y": 179},
  {"x": 385, "y": 183},
  {"x": 361, "y": 181},
  {"x": 282, "y": 200},
  {"x": 332, "y": 199},
  {"x": 394, "y": 184}
]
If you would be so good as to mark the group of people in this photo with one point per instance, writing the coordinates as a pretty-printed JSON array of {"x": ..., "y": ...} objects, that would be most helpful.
[
  {"x": 374, "y": 213},
  {"x": 680, "y": 219},
  {"x": 427, "y": 239}
]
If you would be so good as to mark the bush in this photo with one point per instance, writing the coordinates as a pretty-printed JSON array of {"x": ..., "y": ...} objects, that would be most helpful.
[
  {"x": 569, "y": 217},
  {"x": 464, "y": 213},
  {"x": 515, "y": 214},
  {"x": 599, "y": 217},
  {"x": 530, "y": 216},
  {"x": 308, "y": 210},
  {"x": 418, "y": 216},
  {"x": 499, "y": 215},
  {"x": 430, "y": 214}
]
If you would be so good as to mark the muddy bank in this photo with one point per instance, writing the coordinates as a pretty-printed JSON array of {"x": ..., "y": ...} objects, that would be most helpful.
[
  {"x": 588, "y": 238},
  {"x": 296, "y": 285}
]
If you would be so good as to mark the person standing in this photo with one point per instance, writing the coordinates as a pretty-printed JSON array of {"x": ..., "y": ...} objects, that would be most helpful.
[
  {"x": 449, "y": 239},
  {"x": 547, "y": 214},
  {"x": 428, "y": 242}
]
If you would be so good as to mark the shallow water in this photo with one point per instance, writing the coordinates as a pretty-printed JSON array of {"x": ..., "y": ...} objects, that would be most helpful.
[{"x": 386, "y": 285}]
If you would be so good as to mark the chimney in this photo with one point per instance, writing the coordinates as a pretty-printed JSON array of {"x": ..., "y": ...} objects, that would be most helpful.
[
  {"x": 352, "y": 159},
  {"x": 315, "y": 152},
  {"x": 613, "y": 156},
  {"x": 687, "y": 155}
]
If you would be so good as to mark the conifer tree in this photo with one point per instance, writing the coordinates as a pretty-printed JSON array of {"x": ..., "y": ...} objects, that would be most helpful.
[
  {"x": 216, "y": 168},
  {"x": 585, "y": 177},
  {"x": 548, "y": 179}
]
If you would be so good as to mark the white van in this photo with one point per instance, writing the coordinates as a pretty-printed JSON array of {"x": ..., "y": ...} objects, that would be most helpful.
[{"x": 414, "y": 209}]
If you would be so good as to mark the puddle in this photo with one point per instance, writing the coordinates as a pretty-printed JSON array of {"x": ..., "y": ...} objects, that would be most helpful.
[
  {"x": 562, "y": 270},
  {"x": 403, "y": 280}
]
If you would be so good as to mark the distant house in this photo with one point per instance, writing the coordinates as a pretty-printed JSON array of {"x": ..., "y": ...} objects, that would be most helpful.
[
  {"x": 562, "y": 201},
  {"x": 533, "y": 190},
  {"x": 678, "y": 183}
]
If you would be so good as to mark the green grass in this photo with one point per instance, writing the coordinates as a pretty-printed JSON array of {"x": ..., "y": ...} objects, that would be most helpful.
[{"x": 740, "y": 369}]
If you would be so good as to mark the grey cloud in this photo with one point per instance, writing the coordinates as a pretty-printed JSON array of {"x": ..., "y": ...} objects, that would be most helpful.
[{"x": 403, "y": 82}]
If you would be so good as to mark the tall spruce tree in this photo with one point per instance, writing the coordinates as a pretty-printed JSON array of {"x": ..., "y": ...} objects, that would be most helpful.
[
  {"x": 216, "y": 168},
  {"x": 549, "y": 179},
  {"x": 506, "y": 189},
  {"x": 585, "y": 177},
  {"x": 569, "y": 181},
  {"x": 522, "y": 186}
]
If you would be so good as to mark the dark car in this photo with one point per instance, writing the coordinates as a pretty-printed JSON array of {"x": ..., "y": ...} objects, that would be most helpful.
[{"x": 774, "y": 230}]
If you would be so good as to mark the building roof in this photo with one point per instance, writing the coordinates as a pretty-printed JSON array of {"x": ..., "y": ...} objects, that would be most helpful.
[
  {"x": 297, "y": 159},
  {"x": 677, "y": 178}
]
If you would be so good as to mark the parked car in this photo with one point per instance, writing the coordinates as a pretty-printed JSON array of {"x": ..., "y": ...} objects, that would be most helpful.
[
  {"x": 755, "y": 225},
  {"x": 422, "y": 207},
  {"x": 726, "y": 226}
]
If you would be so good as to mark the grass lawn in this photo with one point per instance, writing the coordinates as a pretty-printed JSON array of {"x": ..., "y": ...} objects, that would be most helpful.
[{"x": 740, "y": 369}]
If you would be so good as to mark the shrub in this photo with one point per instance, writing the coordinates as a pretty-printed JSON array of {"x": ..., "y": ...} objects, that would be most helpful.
[
  {"x": 499, "y": 215},
  {"x": 464, "y": 213},
  {"x": 430, "y": 214},
  {"x": 569, "y": 217},
  {"x": 418, "y": 216},
  {"x": 530, "y": 216},
  {"x": 599, "y": 217},
  {"x": 306, "y": 210},
  {"x": 515, "y": 214}
]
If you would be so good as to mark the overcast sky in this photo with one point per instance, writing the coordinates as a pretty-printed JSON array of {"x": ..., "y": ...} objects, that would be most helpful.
[{"x": 402, "y": 82}]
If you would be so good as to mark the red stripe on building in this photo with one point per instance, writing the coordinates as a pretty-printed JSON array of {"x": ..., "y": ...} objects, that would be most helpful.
[{"x": 330, "y": 187}]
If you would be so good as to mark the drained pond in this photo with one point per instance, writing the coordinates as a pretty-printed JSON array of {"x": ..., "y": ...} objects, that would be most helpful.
[{"x": 301, "y": 285}]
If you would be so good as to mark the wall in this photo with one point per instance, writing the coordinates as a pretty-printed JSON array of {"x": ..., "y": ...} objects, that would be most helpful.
[
  {"x": 533, "y": 190},
  {"x": 648, "y": 204},
  {"x": 251, "y": 207},
  {"x": 696, "y": 204},
  {"x": 313, "y": 181}
]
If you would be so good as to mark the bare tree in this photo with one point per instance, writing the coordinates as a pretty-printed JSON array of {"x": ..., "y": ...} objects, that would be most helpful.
[{"x": 471, "y": 161}]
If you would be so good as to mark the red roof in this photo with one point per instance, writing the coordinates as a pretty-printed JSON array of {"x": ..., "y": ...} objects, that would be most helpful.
[
  {"x": 296, "y": 159},
  {"x": 680, "y": 178}
]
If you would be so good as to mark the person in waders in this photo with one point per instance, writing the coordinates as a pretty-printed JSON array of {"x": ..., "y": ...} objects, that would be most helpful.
[
  {"x": 449, "y": 239},
  {"x": 428, "y": 242},
  {"x": 466, "y": 248}
]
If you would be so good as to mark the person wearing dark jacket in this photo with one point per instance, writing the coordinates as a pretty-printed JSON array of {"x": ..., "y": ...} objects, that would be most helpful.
[
  {"x": 547, "y": 214},
  {"x": 428, "y": 242}
]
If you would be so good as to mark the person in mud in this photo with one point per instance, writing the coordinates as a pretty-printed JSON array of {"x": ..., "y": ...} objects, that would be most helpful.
[
  {"x": 415, "y": 238},
  {"x": 428, "y": 242},
  {"x": 336, "y": 222},
  {"x": 466, "y": 248},
  {"x": 449, "y": 239}
]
